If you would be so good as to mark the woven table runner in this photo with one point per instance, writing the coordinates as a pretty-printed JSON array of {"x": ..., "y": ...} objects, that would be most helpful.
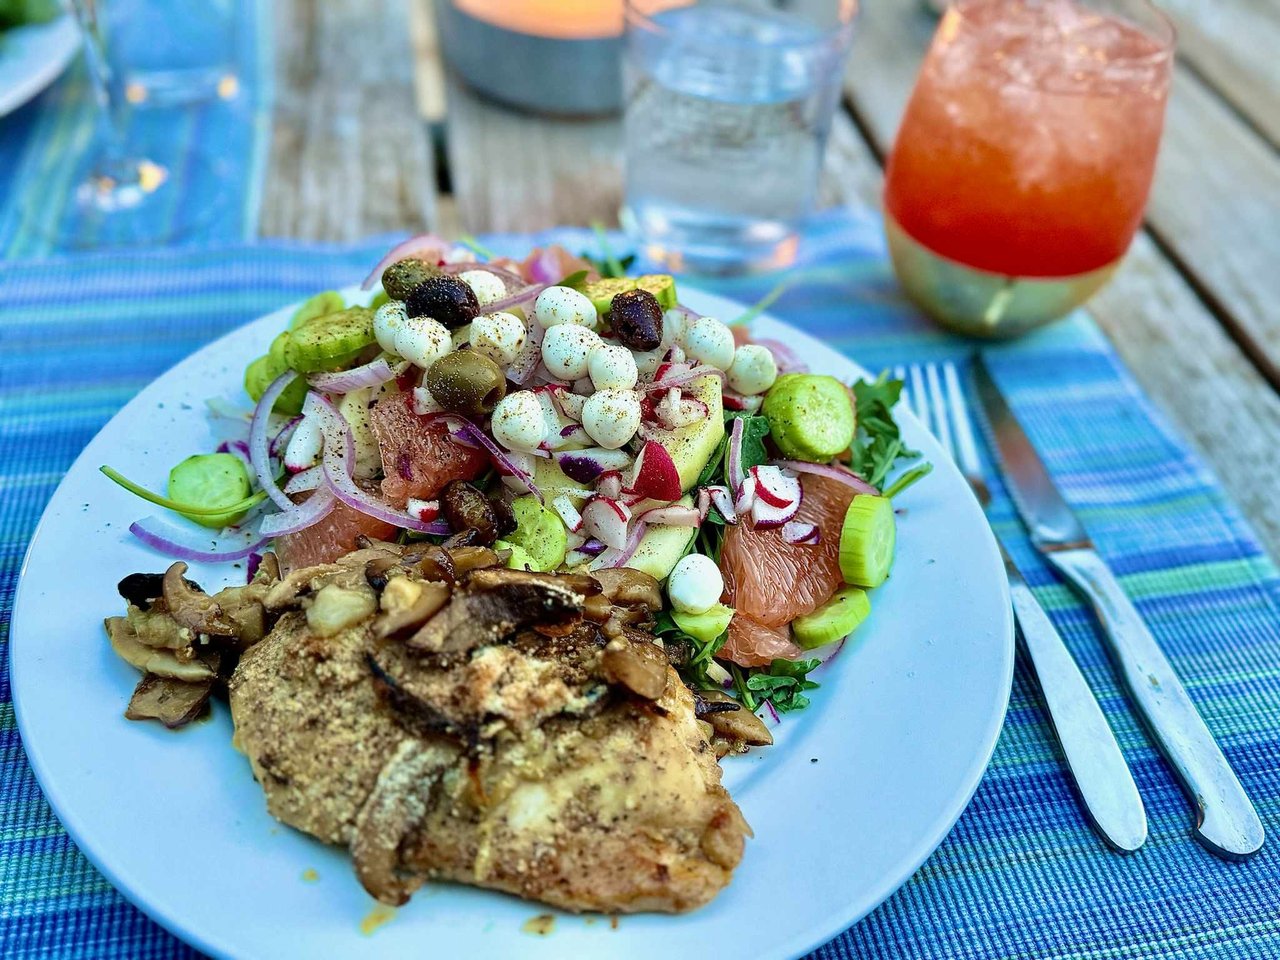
[{"x": 1022, "y": 875}]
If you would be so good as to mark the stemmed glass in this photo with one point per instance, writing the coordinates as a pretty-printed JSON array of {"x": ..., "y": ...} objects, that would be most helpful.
[{"x": 129, "y": 182}]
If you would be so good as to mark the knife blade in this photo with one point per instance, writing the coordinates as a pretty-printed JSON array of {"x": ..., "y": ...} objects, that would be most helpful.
[{"x": 1226, "y": 822}]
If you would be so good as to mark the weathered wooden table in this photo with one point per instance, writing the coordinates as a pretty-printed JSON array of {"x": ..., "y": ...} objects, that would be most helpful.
[{"x": 391, "y": 142}]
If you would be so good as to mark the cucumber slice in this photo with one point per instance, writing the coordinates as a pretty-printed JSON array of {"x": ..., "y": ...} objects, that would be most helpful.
[
  {"x": 322, "y": 303},
  {"x": 810, "y": 416},
  {"x": 208, "y": 481},
  {"x": 261, "y": 372},
  {"x": 520, "y": 559},
  {"x": 867, "y": 541},
  {"x": 662, "y": 286},
  {"x": 704, "y": 627},
  {"x": 323, "y": 342},
  {"x": 539, "y": 533},
  {"x": 834, "y": 620},
  {"x": 602, "y": 292}
]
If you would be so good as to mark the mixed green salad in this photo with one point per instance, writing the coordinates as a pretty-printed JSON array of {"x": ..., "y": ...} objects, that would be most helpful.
[{"x": 578, "y": 419}]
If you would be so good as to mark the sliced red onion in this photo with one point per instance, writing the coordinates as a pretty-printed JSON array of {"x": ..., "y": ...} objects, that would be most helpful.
[
  {"x": 619, "y": 558},
  {"x": 723, "y": 501},
  {"x": 745, "y": 497},
  {"x": 831, "y": 472},
  {"x": 311, "y": 511},
  {"x": 797, "y": 531},
  {"x": 786, "y": 358},
  {"x": 240, "y": 450},
  {"x": 373, "y": 374},
  {"x": 521, "y": 369},
  {"x": 688, "y": 313},
  {"x": 281, "y": 440},
  {"x": 339, "y": 454},
  {"x": 308, "y": 479},
  {"x": 675, "y": 515},
  {"x": 773, "y": 712},
  {"x": 592, "y": 547},
  {"x": 680, "y": 379},
  {"x": 501, "y": 459},
  {"x": 194, "y": 546},
  {"x": 425, "y": 246},
  {"x": 514, "y": 282},
  {"x": 545, "y": 267},
  {"x": 251, "y": 565},
  {"x": 461, "y": 438},
  {"x": 736, "y": 472},
  {"x": 259, "y": 454}
]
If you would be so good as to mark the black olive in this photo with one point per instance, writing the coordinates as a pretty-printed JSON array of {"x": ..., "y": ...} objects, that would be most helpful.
[
  {"x": 446, "y": 299},
  {"x": 141, "y": 589},
  {"x": 466, "y": 508},
  {"x": 636, "y": 318},
  {"x": 401, "y": 277}
]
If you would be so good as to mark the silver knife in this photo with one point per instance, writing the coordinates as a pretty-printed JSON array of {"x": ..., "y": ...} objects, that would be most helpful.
[{"x": 1226, "y": 821}]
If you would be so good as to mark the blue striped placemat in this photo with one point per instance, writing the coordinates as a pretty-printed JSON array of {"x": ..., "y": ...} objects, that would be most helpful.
[
  {"x": 1022, "y": 875},
  {"x": 45, "y": 146}
]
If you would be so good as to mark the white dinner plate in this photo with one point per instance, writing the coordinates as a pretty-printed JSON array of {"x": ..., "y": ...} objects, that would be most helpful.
[
  {"x": 857, "y": 792},
  {"x": 32, "y": 57}
]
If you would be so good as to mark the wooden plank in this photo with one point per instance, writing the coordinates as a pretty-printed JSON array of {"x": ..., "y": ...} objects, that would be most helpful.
[
  {"x": 1235, "y": 46},
  {"x": 348, "y": 157},
  {"x": 1174, "y": 345}
]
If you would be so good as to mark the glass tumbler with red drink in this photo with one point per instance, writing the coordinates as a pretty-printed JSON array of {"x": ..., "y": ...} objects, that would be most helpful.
[{"x": 1025, "y": 157}]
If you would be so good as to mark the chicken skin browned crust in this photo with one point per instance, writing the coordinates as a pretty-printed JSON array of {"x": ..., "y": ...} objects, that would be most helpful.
[{"x": 536, "y": 750}]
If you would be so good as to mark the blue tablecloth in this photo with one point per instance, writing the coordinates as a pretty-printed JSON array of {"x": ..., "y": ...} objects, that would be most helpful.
[{"x": 1021, "y": 875}]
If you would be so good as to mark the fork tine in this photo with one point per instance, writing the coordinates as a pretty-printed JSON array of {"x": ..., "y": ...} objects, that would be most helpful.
[
  {"x": 938, "y": 403},
  {"x": 966, "y": 450},
  {"x": 919, "y": 398}
]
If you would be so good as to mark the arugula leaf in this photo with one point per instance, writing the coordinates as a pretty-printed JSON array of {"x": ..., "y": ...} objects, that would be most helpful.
[
  {"x": 715, "y": 466},
  {"x": 754, "y": 430},
  {"x": 782, "y": 684},
  {"x": 699, "y": 655},
  {"x": 575, "y": 280},
  {"x": 877, "y": 445}
]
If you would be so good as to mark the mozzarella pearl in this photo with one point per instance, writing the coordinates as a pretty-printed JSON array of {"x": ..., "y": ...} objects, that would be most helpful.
[
  {"x": 611, "y": 417},
  {"x": 709, "y": 341},
  {"x": 422, "y": 341},
  {"x": 695, "y": 585},
  {"x": 487, "y": 287},
  {"x": 561, "y": 305},
  {"x": 499, "y": 336},
  {"x": 673, "y": 324},
  {"x": 388, "y": 319},
  {"x": 566, "y": 350},
  {"x": 518, "y": 421},
  {"x": 648, "y": 360},
  {"x": 612, "y": 367},
  {"x": 753, "y": 370}
]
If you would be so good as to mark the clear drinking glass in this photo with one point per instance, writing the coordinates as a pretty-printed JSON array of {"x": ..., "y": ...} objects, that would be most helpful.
[
  {"x": 148, "y": 63},
  {"x": 1025, "y": 157},
  {"x": 728, "y": 106}
]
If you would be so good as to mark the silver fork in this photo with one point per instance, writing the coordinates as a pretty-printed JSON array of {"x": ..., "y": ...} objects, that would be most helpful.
[{"x": 932, "y": 391}]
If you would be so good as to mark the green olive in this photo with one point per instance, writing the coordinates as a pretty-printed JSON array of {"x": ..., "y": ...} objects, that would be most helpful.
[
  {"x": 401, "y": 277},
  {"x": 466, "y": 382}
]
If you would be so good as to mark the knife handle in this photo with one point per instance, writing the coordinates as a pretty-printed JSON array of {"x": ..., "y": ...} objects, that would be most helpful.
[
  {"x": 1227, "y": 823},
  {"x": 1110, "y": 796}
]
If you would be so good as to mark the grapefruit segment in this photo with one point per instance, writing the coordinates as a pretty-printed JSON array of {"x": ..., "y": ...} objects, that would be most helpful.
[
  {"x": 752, "y": 644},
  {"x": 418, "y": 458},
  {"x": 330, "y": 538}
]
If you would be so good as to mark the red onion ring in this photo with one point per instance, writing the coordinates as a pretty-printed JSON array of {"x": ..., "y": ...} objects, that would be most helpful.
[
  {"x": 680, "y": 379},
  {"x": 427, "y": 243},
  {"x": 373, "y": 374},
  {"x": 831, "y": 472},
  {"x": 786, "y": 358},
  {"x": 311, "y": 511},
  {"x": 308, "y": 479},
  {"x": 736, "y": 473},
  {"x": 259, "y": 454},
  {"x": 180, "y": 544},
  {"x": 499, "y": 457},
  {"x": 618, "y": 558},
  {"x": 520, "y": 298},
  {"x": 281, "y": 440},
  {"x": 508, "y": 277}
]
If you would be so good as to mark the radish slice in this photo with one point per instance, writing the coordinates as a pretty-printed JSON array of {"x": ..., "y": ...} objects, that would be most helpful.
[
  {"x": 280, "y": 440},
  {"x": 585, "y": 466},
  {"x": 776, "y": 488},
  {"x": 703, "y": 503},
  {"x": 745, "y": 498},
  {"x": 610, "y": 485},
  {"x": 723, "y": 501},
  {"x": 655, "y": 475},
  {"x": 764, "y": 514},
  {"x": 676, "y": 515},
  {"x": 424, "y": 510},
  {"x": 607, "y": 521},
  {"x": 425, "y": 246},
  {"x": 797, "y": 531},
  {"x": 737, "y": 402},
  {"x": 831, "y": 472},
  {"x": 567, "y": 512}
]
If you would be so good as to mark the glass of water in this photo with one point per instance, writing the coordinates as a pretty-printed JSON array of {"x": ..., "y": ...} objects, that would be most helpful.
[{"x": 728, "y": 106}]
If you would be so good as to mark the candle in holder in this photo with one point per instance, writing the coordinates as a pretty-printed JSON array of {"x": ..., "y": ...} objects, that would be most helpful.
[{"x": 553, "y": 56}]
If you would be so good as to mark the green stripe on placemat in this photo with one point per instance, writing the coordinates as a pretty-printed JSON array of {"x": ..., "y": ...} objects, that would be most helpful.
[{"x": 1022, "y": 875}]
